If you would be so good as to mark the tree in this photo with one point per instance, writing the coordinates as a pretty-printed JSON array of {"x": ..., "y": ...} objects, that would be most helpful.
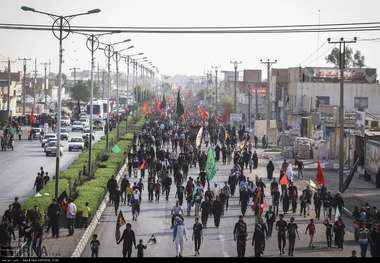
[
  {"x": 334, "y": 57},
  {"x": 358, "y": 59},
  {"x": 81, "y": 91}
]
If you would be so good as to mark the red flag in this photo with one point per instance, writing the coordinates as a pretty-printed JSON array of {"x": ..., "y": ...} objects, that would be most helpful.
[
  {"x": 284, "y": 180},
  {"x": 320, "y": 178},
  {"x": 142, "y": 165},
  {"x": 146, "y": 107},
  {"x": 202, "y": 113},
  {"x": 32, "y": 118},
  {"x": 157, "y": 105}
]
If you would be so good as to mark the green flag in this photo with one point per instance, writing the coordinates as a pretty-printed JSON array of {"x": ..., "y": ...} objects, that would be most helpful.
[
  {"x": 116, "y": 149},
  {"x": 210, "y": 166}
]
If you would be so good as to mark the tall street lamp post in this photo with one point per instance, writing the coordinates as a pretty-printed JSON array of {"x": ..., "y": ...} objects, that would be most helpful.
[{"x": 61, "y": 30}]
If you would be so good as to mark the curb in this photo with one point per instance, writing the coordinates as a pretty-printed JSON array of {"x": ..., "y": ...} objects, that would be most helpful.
[{"x": 95, "y": 220}]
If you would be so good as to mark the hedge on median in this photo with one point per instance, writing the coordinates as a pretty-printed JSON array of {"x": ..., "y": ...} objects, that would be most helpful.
[{"x": 93, "y": 190}]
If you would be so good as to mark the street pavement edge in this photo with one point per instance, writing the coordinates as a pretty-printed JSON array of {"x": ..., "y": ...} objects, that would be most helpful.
[{"x": 94, "y": 222}]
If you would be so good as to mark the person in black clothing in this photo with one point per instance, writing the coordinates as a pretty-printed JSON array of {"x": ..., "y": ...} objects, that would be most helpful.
[
  {"x": 179, "y": 194},
  {"x": 53, "y": 215},
  {"x": 281, "y": 227},
  {"x": 255, "y": 160},
  {"x": 240, "y": 236},
  {"x": 292, "y": 231},
  {"x": 217, "y": 208},
  {"x": 150, "y": 188},
  {"x": 94, "y": 244},
  {"x": 293, "y": 195},
  {"x": 46, "y": 178},
  {"x": 329, "y": 228},
  {"x": 224, "y": 154},
  {"x": 285, "y": 201},
  {"x": 217, "y": 153},
  {"x": 244, "y": 199},
  {"x": 270, "y": 217},
  {"x": 128, "y": 239},
  {"x": 37, "y": 237},
  {"x": 317, "y": 204},
  {"x": 205, "y": 209},
  {"x": 38, "y": 183},
  {"x": 197, "y": 235},
  {"x": 111, "y": 187},
  {"x": 258, "y": 239},
  {"x": 232, "y": 183},
  {"x": 270, "y": 169},
  {"x": 166, "y": 184},
  {"x": 276, "y": 200},
  {"x": 123, "y": 188},
  {"x": 338, "y": 203},
  {"x": 140, "y": 249},
  {"x": 117, "y": 196}
]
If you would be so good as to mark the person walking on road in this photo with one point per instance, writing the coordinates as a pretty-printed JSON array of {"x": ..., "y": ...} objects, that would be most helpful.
[
  {"x": 281, "y": 227},
  {"x": 94, "y": 245},
  {"x": 117, "y": 196},
  {"x": 217, "y": 209},
  {"x": 339, "y": 232},
  {"x": 205, "y": 210},
  {"x": 270, "y": 169},
  {"x": 53, "y": 215},
  {"x": 176, "y": 212},
  {"x": 270, "y": 217},
  {"x": 70, "y": 215},
  {"x": 197, "y": 235},
  {"x": 240, "y": 236},
  {"x": 244, "y": 199},
  {"x": 363, "y": 240},
  {"x": 292, "y": 231},
  {"x": 258, "y": 239},
  {"x": 128, "y": 239},
  {"x": 311, "y": 228},
  {"x": 329, "y": 228},
  {"x": 179, "y": 234}
]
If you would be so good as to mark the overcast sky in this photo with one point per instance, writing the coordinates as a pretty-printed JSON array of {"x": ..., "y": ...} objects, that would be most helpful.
[{"x": 192, "y": 53}]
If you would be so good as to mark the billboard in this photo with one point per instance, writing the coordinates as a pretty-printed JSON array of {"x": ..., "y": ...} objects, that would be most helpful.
[
  {"x": 364, "y": 75},
  {"x": 261, "y": 90},
  {"x": 372, "y": 157}
]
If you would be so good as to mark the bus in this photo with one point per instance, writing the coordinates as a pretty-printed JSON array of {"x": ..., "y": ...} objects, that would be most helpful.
[{"x": 99, "y": 108}]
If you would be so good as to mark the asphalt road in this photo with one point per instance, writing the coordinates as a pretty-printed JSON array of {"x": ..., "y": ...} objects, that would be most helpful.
[
  {"x": 218, "y": 242},
  {"x": 18, "y": 168}
]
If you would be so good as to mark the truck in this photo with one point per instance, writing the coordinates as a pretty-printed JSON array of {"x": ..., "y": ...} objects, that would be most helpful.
[{"x": 372, "y": 161}]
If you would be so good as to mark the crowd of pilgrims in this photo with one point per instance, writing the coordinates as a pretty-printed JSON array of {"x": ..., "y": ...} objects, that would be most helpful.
[{"x": 166, "y": 149}]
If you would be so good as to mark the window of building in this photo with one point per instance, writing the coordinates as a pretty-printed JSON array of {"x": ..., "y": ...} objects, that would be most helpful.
[
  {"x": 361, "y": 102},
  {"x": 323, "y": 100}
]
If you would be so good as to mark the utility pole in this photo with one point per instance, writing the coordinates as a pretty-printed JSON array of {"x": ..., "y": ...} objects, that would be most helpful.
[
  {"x": 9, "y": 61},
  {"x": 98, "y": 79},
  {"x": 268, "y": 63},
  {"x": 103, "y": 84},
  {"x": 34, "y": 84},
  {"x": 45, "y": 79},
  {"x": 216, "y": 87},
  {"x": 342, "y": 63},
  {"x": 235, "y": 63},
  {"x": 75, "y": 74},
  {"x": 24, "y": 84},
  {"x": 249, "y": 107}
]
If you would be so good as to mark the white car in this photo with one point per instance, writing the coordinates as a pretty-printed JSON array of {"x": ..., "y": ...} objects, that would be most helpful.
[
  {"x": 49, "y": 141},
  {"x": 51, "y": 149},
  {"x": 64, "y": 134},
  {"x": 47, "y": 137},
  {"x": 77, "y": 126},
  {"x": 84, "y": 121},
  {"x": 76, "y": 143}
]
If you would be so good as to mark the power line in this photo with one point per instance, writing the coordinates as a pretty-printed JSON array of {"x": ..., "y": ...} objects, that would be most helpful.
[
  {"x": 221, "y": 30},
  {"x": 312, "y": 54}
]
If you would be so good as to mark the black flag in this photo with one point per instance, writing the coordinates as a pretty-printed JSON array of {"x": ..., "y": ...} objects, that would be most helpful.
[
  {"x": 180, "y": 109},
  {"x": 163, "y": 103}
]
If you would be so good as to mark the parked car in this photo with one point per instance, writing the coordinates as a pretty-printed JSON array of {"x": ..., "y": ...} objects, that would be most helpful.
[
  {"x": 36, "y": 133},
  {"x": 77, "y": 126},
  {"x": 51, "y": 149},
  {"x": 47, "y": 137},
  {"x": 64, "y": 133},
  {"x": 76, "y": 143}
]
